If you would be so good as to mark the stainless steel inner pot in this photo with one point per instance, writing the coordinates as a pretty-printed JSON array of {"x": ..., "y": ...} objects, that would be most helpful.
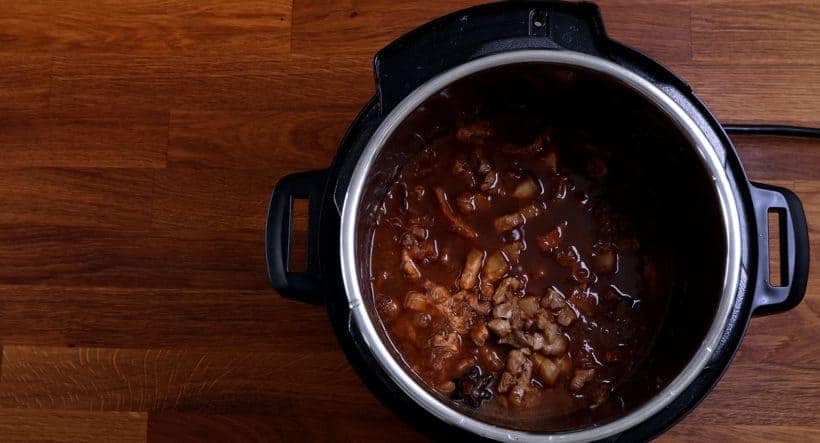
[{"x": 390, "y": 147}]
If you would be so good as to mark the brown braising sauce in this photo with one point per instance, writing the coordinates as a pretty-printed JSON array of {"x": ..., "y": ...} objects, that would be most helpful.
[{"x": 506, "y": 276}]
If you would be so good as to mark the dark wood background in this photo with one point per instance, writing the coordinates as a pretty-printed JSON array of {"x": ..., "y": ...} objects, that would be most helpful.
[{"x": 139, "y": 142}]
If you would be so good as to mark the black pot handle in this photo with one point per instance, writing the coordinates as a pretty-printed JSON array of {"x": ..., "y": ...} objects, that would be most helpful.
[
  {"x": 302, "y": 286},
  {"x": 482, "y": 30},
  {"x": 794, "y": 249}
]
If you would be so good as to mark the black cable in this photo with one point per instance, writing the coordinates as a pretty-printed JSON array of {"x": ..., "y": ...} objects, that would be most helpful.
[{"x": 788, "y": 131}]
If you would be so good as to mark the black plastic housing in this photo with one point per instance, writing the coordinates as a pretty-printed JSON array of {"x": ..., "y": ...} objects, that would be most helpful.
[{"x": 488, "y": 29}]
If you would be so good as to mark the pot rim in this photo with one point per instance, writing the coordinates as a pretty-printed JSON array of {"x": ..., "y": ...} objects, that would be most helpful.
[{"x": 665, "y": 104}]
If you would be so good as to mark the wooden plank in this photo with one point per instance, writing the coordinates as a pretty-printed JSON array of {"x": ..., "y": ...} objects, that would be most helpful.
[
  {"x": 128, "y": 84},
  {"x": 174, "y": 228},
  {"x": 24, "y": 26},
  {"x": 367, "y": 26},
  {"x": 22, "y": 425},
  {"x": 211, "y": 203},
  {"x": 94, "y": 85},
  {"x": 748, "y": 92},
  {"x": 23, "y": 131},
  {"x": 747, "y": 433},
  {"x": 346, "y": 82},
  {"x": 26, "y": 81},
  {"x": 238, "y": 84},
  {"x": 773, "y": 158},
  {"x": 215, "y": 26},
  {"x": 774, "y": 391},
  {"x": 180, "y": 427},
  {"x": 106, "y": 198},
  {"x": 224, "y": 205},
  {"x": 83, "y": 112},
  {"x": 101, "y": 140},
  {"x": 52, "y": 139},
  {"x": 659, "y": 28},
  {"x": 243, "y": 140},
  {"x": 252, "y": 83},
  {"x": 79, "y": 256},
  {"x": 161, "y": 319},
  {"x": 219, "y": 204},
  {"x": 308, "y": 422},
  {"x": 147, "y": 26},
  {"x": 100, "y": 26},
  {"x": 760, "y": 31},
  {"x": 215, "y": 381},
  {"x": 92, "y": 378},
  {"x": 102, "y": 111}
]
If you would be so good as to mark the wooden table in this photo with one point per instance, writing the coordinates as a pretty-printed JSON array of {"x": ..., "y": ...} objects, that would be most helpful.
[{"x": 139, "y": 142}]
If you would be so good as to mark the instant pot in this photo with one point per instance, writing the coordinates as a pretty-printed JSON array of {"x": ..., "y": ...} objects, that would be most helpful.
[{"x": 436, "y": 71}]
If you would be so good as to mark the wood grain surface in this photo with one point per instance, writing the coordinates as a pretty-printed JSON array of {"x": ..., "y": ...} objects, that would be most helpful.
[{"x": 139, "y": 142}]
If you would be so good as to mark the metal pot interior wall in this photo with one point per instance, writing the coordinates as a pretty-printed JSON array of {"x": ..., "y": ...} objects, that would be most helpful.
[{"x": 670, "y": 197}]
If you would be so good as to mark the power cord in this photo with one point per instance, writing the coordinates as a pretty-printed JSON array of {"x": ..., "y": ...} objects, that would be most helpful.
[{"x": 783, "y": 130}]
